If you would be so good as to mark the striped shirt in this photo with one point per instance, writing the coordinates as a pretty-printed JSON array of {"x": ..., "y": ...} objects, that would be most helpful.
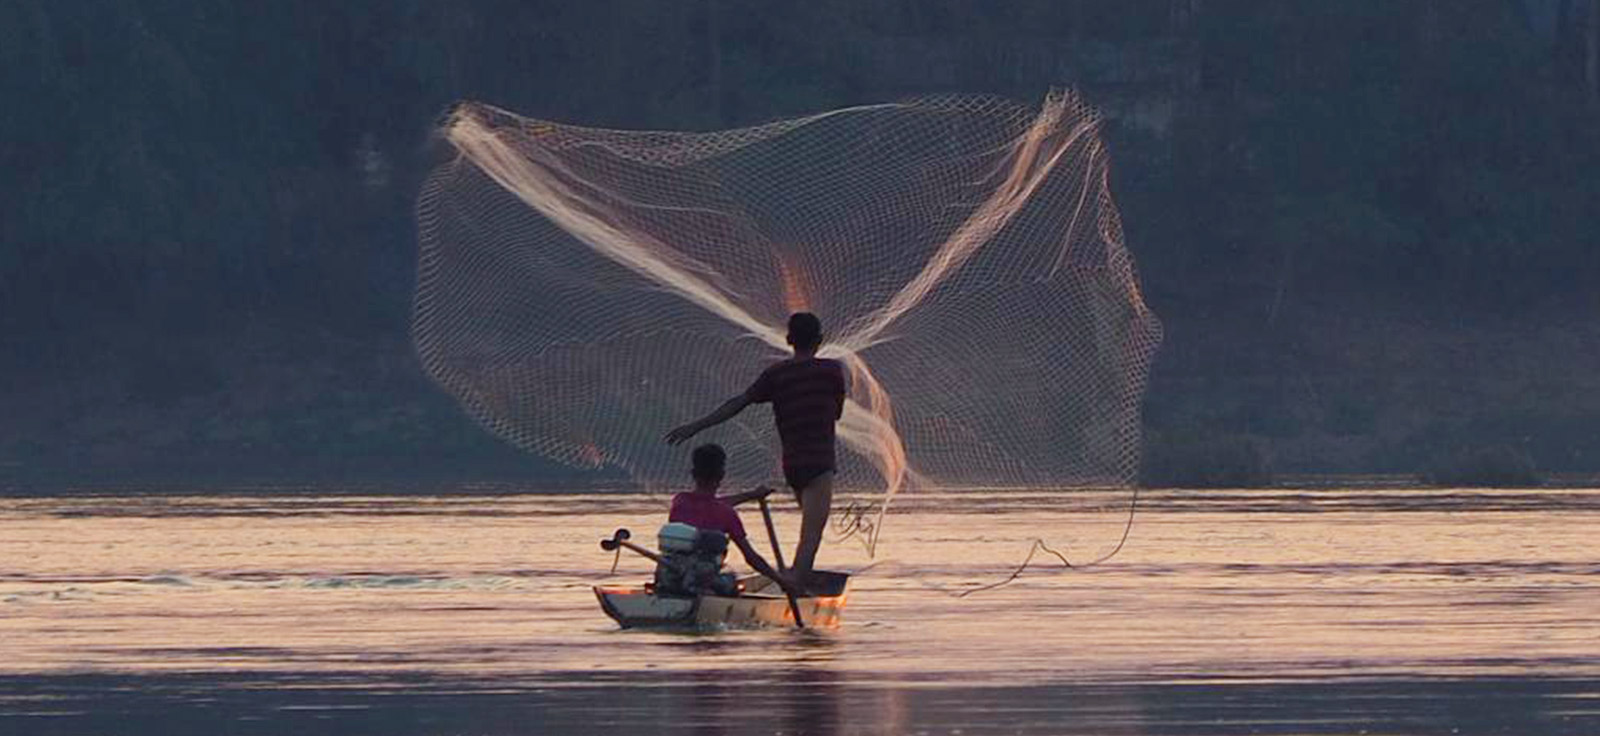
[{"x": 807, "y": 397}]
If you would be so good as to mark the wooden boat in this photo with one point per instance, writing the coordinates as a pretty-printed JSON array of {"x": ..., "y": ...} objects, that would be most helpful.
[{"x": 759, "y": 604}]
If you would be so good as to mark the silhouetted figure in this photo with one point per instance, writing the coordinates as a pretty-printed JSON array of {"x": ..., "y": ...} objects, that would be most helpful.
[
  {"x": 807, "y": 396},
  {"x": 704, "y": 510}
]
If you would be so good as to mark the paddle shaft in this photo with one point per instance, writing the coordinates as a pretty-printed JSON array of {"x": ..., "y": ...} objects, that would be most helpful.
[
  {"x": 777, "y": 557},
  {"x": 772, "y": 534}
]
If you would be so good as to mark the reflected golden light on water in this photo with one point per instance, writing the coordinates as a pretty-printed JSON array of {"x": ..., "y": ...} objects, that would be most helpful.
[{"x": 1238, "y": 586}]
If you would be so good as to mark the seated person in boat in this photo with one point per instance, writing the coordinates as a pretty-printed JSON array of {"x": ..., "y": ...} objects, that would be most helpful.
[{"x": 703, "y": 509}]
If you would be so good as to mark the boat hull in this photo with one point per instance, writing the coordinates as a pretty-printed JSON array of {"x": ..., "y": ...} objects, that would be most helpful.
[{"x": 635, "y": 607}]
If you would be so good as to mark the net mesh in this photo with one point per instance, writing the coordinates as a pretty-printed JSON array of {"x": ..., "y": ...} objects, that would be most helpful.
[{"x": 581, "y": 291}]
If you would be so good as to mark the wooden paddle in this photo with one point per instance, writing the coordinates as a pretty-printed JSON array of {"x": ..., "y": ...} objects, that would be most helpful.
[{"x": 777, "y": 559}]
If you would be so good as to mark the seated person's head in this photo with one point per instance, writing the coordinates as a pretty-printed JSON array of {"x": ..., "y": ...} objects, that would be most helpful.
[
  {"x": 805, "y": 331},
  {"x": 710, "y": 464}
]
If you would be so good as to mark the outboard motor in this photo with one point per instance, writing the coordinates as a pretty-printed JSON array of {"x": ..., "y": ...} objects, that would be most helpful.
[{"x": 693, "y": 562}]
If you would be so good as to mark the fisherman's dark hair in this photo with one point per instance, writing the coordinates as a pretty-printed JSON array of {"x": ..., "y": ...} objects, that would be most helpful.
[
  {"x": 710, "y": 463},
  {"x": 805, "y": 330}
]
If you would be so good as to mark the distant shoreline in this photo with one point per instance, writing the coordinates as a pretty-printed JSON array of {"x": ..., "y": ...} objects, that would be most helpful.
[{"x": 502, "y": 486}]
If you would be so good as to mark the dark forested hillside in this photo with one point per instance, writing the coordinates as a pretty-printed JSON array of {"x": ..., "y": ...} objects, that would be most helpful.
[{"x": 1370, "y": 225}]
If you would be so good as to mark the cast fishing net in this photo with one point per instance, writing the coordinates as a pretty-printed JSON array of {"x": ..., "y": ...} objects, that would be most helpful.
[{"x": 581, "y": 291}]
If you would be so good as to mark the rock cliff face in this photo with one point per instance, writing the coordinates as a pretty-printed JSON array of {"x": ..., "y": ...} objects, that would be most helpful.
[
  {"x": 1137, "y": 82},
  {"x": 1367, "y": 224}
]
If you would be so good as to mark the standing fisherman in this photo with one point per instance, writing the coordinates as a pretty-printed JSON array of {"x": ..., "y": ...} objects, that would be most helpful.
[{"x": 807, "y": 395}]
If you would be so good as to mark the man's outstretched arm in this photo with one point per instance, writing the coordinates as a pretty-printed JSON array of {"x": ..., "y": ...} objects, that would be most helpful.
[{"x": 728, "y": 410}]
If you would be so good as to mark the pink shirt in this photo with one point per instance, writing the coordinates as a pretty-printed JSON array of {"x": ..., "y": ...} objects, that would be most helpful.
[{"x": 706, "y": 511}]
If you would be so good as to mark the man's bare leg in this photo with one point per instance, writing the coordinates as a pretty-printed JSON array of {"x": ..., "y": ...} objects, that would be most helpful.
[{"x": 816, "y": 502}]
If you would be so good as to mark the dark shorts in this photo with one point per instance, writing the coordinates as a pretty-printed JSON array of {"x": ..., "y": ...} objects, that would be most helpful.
[{"x": 799, "y": 478}]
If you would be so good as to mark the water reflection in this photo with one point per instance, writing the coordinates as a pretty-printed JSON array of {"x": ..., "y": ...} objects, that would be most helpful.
[
  {"x": 709, "y": 703},
  {"x": 1235, "y": 612}
]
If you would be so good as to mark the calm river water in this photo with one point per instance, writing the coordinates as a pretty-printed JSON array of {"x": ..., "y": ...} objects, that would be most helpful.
[{"x": 1233, "y": 612}]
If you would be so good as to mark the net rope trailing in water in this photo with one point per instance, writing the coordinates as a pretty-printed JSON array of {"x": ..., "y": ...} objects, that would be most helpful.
[{"x": 581, "y": 291}]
